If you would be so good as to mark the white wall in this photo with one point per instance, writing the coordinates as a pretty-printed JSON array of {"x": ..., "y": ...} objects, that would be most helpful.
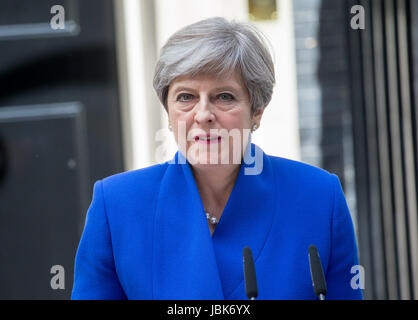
[
  {"x": 279, "y": 131},
  {"x": 136, "y": 53}
]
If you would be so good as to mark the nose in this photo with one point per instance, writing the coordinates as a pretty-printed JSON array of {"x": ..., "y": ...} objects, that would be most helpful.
[{"x": 204, "y": 112}]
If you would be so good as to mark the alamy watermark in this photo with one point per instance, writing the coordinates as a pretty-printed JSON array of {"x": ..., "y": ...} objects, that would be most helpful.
[
  {"x": 357, "y": 281},
  {"x": 58, "y": 20},
  {"x": 358, "y": 20},
  {"x": 58, "y": 280}
]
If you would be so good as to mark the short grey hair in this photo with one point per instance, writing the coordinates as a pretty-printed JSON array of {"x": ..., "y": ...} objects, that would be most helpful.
[{"x": 217, "y": 46}]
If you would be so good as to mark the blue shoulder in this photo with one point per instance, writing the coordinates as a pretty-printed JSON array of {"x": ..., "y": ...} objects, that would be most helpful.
[
  {"x": 299, "y": 169},
  {"x": 134, "y": 183}
]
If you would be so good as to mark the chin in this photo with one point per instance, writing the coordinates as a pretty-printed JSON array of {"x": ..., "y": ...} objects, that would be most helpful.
[
  {"x": 201, "y": 156},
  {"x": 216, "y": 160}
]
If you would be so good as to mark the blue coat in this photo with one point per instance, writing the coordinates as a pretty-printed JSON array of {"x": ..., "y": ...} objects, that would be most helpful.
[{"x": 146, "y": 235}]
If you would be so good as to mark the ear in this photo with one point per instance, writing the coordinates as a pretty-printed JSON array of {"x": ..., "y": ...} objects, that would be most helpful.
[{"x": 256, "y": 119}]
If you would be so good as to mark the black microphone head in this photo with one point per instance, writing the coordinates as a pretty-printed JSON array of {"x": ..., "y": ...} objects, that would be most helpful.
[
  {"x": 249, "y": 274},
  {"x": 318, "y": 280}
]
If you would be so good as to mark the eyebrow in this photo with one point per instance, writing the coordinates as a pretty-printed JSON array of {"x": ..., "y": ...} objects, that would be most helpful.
[{"x": 227, "y": 87}]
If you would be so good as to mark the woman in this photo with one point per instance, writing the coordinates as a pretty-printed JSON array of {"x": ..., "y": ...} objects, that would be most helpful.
[{"x": 177, "y": 230}]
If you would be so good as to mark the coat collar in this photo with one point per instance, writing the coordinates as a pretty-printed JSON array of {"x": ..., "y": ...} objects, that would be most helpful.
[{"x": 190, "y": 264}]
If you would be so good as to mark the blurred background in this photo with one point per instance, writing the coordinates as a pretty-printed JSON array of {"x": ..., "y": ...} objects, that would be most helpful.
[{"x": 77, "y": 105}]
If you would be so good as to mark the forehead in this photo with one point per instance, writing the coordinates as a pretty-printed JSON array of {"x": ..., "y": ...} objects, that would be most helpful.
[{"x": 233, "y": 80}]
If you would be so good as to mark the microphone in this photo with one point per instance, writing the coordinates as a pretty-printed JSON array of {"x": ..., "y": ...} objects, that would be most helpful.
[
  {"x": 249, "y": 274},
  {"x": 317, "y": 274}
]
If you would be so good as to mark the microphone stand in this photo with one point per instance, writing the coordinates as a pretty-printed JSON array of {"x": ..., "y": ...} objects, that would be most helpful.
[
  {"x": 250, "y": 279},
  {"x": 317, "y": 273}
]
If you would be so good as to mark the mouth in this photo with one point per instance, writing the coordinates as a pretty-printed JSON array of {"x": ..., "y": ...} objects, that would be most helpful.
[{"x": 208, "y": 139}]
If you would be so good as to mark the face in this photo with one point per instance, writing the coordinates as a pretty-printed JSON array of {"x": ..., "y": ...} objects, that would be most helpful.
[{"x": 211, "y": 118}]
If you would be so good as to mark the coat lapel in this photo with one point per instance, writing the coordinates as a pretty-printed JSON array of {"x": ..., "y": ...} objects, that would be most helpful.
[
  {"x": 184, "y": 265},
  {"x": 245, "y": 221},
  {"x": 188, "y": 262}
]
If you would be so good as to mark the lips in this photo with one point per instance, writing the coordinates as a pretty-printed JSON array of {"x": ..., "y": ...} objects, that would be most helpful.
[{"x": 208, "y": 138}]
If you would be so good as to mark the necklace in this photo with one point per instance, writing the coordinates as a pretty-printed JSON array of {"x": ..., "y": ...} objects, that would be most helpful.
[{"x": 212, "y": 220}]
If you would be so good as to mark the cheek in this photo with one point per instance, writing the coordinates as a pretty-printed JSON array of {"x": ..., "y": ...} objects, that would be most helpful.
[
  {"x": 177, "y": 117},
  {"x": 181, "y": 125},
  {"x": 239, "y": 121}
]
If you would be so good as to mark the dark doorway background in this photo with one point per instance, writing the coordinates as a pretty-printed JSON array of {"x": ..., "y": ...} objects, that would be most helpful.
[
  {"x": 357, "y": 97},
  {"x": 60, "y": 131},
  {"x": 384, "y": 82}
]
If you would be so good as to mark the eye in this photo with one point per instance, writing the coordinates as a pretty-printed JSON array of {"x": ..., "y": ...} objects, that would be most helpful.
[
  {"x": 226, "y": 97},
  {"x": 184, "y": 97}
]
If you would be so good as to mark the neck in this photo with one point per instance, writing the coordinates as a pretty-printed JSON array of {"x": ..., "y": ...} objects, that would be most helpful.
[{"x": 215, "y": 184}]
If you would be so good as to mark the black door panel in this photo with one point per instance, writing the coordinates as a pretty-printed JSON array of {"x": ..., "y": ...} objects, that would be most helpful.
[{"x": 60, "y": 131}]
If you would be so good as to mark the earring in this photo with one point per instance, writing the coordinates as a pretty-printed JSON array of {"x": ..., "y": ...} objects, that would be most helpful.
[
  {"x": 170, "y": 127},
  {"x": 255, "y": 127}
]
